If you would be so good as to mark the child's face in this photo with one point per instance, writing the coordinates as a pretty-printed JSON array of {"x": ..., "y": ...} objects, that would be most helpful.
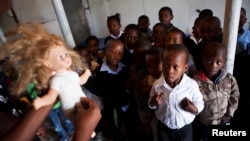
[
  {"x": 173, "y": 38},
  {"x": 213, "y": 62},
  {"x": 159, "y": 35},
  {"x": 114, "y": 27},
  {"x": 154, "y": 65},
  {"x": 114, "y": 54},
  {"x": 93, "y": 46},
  {"x": 143, "y": 24},
  {"x": 197, "y": 28},
  {"x": 58, "y": 59},
  {"x": 131, "y": 38},
  {"x": 210, "y": 31},
  {"x": 139, "y": 56},
  {"x": 243, "y": 19},
  {"x": 85, "y": 54},
  {"x": 174, "y": 65},
  {"x": 165, "y": 17}
]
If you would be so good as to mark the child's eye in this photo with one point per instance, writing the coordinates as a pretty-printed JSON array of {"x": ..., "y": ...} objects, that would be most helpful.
[
  {"x": 61, "y": 57},
  {"x": 209, "y": 61},
  {"x": 176, "y": 67},
  {"x": 165, "y": 66},
  {"x": 219, "y": 62}
]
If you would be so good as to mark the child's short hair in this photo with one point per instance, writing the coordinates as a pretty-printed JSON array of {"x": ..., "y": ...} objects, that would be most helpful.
[
  {"x": 143, "y": 17},
  {"x": 166, "y": 8},
  {"x": 91, "y": 37},
  {"x": 213, "y": 19},
  {"x": 162, "y": 25},
  {"x": 175, "y": 30},
  {"x": 132, "y": 26},
  {"x": 114, "y": 17},
  {"x": 178, "y": 48},
  {"x": 156, "y": 51},
  {"x": 110, "y": 42},
  {"x": 206, "y": 13},
  {"x": 215, "y": 46}
]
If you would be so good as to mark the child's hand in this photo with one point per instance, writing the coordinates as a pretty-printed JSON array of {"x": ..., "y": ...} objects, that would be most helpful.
[
  {"x": 157, "y": 99},
  {"x": 225, "y": 119},
  {"x": 188, "y": 105},
  {"x": 37, "y": 103}
]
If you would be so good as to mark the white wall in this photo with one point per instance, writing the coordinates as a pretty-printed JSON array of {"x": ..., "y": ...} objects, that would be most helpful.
[
  {"x": 130, "y": 10},
  {"x": 184, "y": 11}
]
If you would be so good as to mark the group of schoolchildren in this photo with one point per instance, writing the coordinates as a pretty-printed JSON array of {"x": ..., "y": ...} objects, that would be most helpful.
[{"x": 160, "y": 84}]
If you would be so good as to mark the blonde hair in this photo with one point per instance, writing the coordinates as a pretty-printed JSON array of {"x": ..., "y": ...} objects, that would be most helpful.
[{"x": 28, "y": 53}]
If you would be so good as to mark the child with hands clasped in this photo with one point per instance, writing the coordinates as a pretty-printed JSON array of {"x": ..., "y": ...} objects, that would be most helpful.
[{"x": 175, "y": 97}]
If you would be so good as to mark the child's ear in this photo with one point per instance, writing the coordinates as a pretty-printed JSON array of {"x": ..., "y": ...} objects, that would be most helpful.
[
  {"x": 172, "y": 17},
  {"x": 186, "y": 68},
  {"x": 47, "y": 64},
  {"x": 219, "y": 30}
]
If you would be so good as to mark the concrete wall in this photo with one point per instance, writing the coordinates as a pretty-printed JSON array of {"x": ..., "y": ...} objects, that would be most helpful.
[
  {"x": 77, "y": 20},
  {"x": 39, "y": 11}
]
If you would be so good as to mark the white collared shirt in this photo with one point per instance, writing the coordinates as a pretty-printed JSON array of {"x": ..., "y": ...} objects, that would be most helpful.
[
  {"x": 120, "y": 34},
  {"x": 105, "y": 67},
  {"x": 194, "y": 39},
  {"x": 170, "y": 112}
]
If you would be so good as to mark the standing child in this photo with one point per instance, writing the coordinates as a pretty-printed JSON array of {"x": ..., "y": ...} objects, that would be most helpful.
[
  {"x": 211, "y": 31},
  {"x": 153, "y": 59},
  {"x": 85, "y": 55},
  {"x": 243, "y": 40},
  {"x": 92, "y": 42},
  {"x": 175, "y": 97},
  {"x": 219, "y": 89},
  {"x": 194, "y": 39},
  {"x": 137, "y": 72},
  {"x": 111, "y": 81},
  {"x": 145, "y": 30},
  {"x": 114, "y": 27},
  {"x": 176, "y": 36},
  {"x": 159, "y": 35},
  {"x": 132, "y": 36},
  {"x": 166, "y": 16}
]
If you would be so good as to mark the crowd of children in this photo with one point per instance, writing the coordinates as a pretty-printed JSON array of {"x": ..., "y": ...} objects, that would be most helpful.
[{"x": 156, "y": 85}]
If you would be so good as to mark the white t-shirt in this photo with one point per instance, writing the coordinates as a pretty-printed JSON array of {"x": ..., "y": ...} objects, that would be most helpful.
[{"x": 68, "y": 86}]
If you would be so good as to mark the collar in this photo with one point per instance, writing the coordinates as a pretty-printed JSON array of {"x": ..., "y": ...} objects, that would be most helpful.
[
  {"x": 130, "y": 50},
  {"x": 164, "y": 83},
  {"x": 105, "y": 67},
  {"x": 120, "y": 34},
  {"x": 203, "y": 76},
  {"x": 194, "y": 39}
]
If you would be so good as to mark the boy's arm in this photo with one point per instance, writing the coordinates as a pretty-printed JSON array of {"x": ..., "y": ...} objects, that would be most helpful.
[
  {"x": 234, "y": 98},
  {"x": 45, "y": 100},
  {"x": 85, "y": 76}
]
